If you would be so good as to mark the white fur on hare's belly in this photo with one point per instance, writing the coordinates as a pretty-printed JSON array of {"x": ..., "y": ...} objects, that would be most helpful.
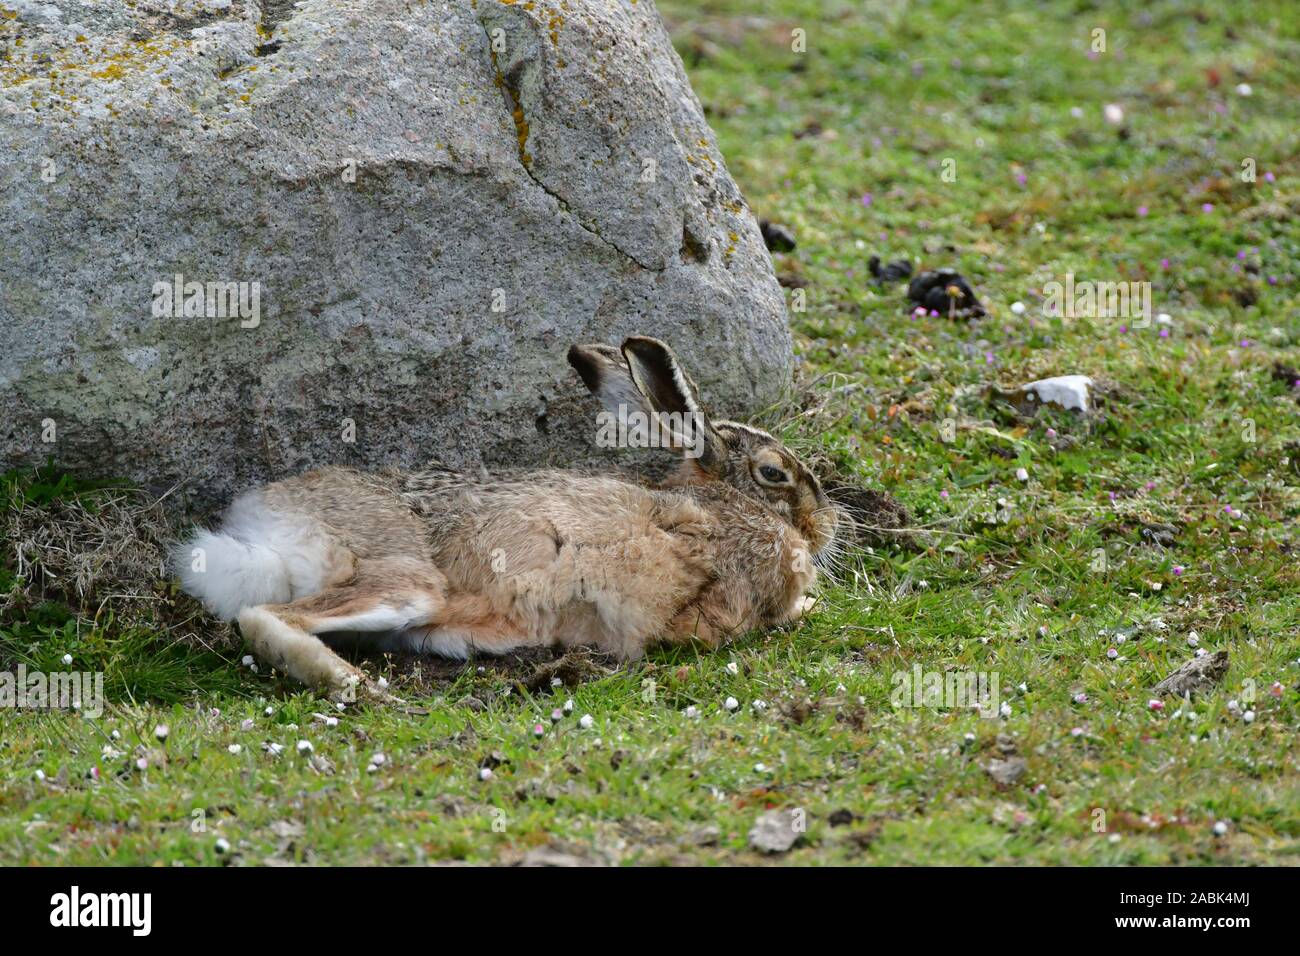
[{"x": 452, "y": 642}]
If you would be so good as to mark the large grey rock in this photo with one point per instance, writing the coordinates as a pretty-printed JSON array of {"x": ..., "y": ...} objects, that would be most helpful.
[{"x": 434, "y": 199}]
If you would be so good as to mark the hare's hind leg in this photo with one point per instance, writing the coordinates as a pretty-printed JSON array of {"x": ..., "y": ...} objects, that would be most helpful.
[
  {"x": 380, "y": 599},
  {"x": 277, "y": 635}
]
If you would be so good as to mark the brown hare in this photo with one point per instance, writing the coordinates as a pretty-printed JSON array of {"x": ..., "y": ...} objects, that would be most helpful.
[{"x": 439, "y": 562}]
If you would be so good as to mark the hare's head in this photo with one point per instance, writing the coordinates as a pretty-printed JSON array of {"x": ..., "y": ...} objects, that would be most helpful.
[{"x": 651, "y": 400}]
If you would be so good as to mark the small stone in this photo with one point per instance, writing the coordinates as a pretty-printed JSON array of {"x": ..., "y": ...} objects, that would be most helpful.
[
  {"x": 775, "y": 831},
  {"x": 1201, "y": 673},
  {"x": 1006, "y": 772}
]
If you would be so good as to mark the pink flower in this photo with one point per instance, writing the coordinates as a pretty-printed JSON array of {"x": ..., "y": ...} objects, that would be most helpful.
[
  {"x": 1164, "y": 263},
  {"x": 1178, "y": 569},
  {"x": 1156, "y": 705},
  {"x": 1051, "y": 433},
  {"x": 1164, "y": 333},
  {"x": 944, "y": 493},
  {"x": 868, "y": 199},
  {"x": 1142, "y": 210},
  {"x": 1207, "y": 207},
  {"x": 1269, "y": 177}
]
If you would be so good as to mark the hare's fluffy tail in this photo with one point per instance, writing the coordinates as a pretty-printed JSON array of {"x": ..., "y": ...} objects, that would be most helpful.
[{"x": 257, "y": 557}]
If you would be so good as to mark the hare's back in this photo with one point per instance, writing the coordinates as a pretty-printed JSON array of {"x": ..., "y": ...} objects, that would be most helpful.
[{"x": 362, "y": 512}]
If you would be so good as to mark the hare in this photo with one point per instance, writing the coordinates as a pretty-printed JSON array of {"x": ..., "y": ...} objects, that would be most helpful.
[{"x": 440, "y": 562}]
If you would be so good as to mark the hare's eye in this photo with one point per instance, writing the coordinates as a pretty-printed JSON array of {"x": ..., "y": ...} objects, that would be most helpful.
[{"x": 773, "y": 474}]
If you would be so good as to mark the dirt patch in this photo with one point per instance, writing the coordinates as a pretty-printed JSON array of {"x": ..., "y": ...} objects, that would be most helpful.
[
  {"x": 527, "y": 671},
  {"x": 875, "y": 518}
]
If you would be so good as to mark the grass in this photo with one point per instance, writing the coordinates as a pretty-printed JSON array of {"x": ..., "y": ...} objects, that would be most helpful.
[{"x": 1031, "y": 581}]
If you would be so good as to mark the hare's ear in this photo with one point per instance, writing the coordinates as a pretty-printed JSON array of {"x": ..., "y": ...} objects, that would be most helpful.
[
  {"x": 606, "y": 376},
  {"x": 671, "y": 394}
]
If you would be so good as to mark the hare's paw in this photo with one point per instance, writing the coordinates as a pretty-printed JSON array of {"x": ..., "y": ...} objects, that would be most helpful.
[
  {"x": 685, "y": 518},
  {"x": 802, "y": 606}
]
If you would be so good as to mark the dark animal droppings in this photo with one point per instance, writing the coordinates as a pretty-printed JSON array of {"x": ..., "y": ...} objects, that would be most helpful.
[
  {"x": 947, "y": 292},
  {"x": 776, "y": 237}
]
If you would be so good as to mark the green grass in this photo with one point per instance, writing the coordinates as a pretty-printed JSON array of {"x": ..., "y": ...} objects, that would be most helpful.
[{"x": 1192, "y": 422}]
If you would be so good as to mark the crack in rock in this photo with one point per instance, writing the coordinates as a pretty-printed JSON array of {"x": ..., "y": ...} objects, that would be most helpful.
[{"x": 513, "y": 96}]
